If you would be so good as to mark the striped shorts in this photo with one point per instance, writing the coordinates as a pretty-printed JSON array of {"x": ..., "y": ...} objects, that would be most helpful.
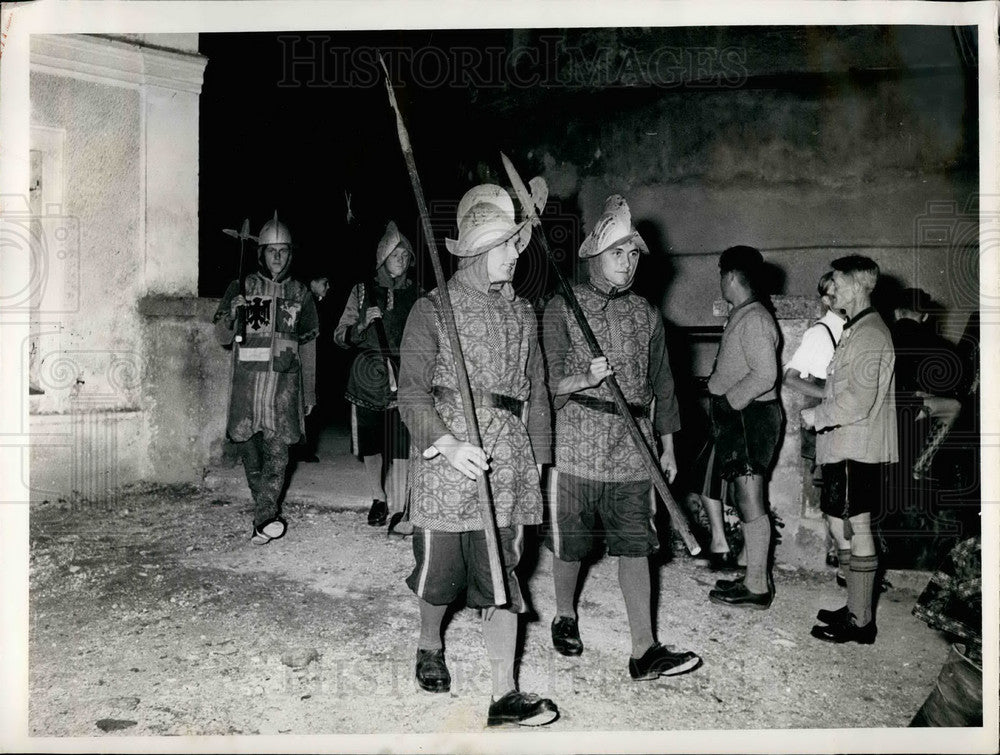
[
  {"x": 626, "y": 511},
  {"x": 449, "y": 563}
]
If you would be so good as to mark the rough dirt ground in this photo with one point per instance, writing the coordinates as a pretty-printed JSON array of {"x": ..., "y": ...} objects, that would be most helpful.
[{"x": 155, "y": 609}]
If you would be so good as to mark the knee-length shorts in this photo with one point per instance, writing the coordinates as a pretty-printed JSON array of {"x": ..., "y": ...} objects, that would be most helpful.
[
  {"x": 450, "y": 563},
  {"x": 853, "y": 487},
  {"x": 626, "y": 511},
  {"x": 746, "y": 440}
]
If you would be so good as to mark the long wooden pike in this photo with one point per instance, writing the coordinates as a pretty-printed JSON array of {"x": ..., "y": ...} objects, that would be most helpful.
[
  {"x": 680, "y": 522},
  {"x": 464, "y": 388}
]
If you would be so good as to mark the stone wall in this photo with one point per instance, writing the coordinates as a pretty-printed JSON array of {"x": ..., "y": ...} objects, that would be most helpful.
[{"x": 114, "y": 202}]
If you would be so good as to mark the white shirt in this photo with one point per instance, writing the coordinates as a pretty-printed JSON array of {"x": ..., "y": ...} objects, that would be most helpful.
[{"x": 816, "y": 349}]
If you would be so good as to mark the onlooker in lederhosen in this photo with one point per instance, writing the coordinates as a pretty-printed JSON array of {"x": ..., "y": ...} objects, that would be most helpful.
[
  {"x": 598, "y": 471},
  {"x": 856, "y": 426},
  {"x": 274, "y": 372},
  {"x": 747, "y": 419},
  {"x": 373, "y": 322},
  {"x": 806, "y": 374},
  {"x": 498, "y": 335}
]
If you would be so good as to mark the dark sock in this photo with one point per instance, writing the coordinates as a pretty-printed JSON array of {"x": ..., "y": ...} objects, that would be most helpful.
[
  {"x": 861, "y": 588},
  {"x": 565, "y": 574},
  {"x": 431, "y": 617},
  {"x": 758, "y": 542},
  {"x": 500, "y": 633},
  {"x": 633, "y": 576}
]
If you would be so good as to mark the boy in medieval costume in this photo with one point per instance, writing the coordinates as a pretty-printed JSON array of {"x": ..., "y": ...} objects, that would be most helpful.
[
  {"x": 498, "y": 336},
  {"x": 597, "y": 469},
  {"x": 373, "y": 321},
  {"x": 274, "y": 371}
]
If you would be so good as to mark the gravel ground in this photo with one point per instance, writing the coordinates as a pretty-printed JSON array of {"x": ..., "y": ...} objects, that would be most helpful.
[{"x": 157, "y": 617}]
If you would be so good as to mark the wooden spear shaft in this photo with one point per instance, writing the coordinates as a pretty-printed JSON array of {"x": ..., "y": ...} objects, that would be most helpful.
[
  {"x": 680, "y": 522},
  {"x": 464, "y": 388}
]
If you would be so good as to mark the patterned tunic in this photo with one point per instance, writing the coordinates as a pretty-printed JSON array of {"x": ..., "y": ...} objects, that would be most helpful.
[
  {"x": 591, "y": 443},
  {"x": 274, "y": 367},
  {"x": 500, "y": 344}
]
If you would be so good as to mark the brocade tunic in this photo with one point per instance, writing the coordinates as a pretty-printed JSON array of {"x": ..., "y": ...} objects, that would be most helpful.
[
  {"x": 499, "y": 342},
  {"x": 591, "y": 443}
]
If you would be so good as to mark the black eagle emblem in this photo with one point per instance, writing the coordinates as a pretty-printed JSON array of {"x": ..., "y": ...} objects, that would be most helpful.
[{"x": 258, "y": 312}]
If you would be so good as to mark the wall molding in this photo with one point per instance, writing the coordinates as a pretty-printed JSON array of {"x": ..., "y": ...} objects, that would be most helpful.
[{"x": 116, "y": 62}]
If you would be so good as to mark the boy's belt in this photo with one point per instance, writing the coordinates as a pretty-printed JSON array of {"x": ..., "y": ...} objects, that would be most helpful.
[
  {"x": 482, "y": 399},
  {"x": 608, "y": 407}
]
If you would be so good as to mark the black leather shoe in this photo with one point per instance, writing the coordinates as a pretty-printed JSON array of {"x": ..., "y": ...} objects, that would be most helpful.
[
  {"x": 725, "y": 585},
  {"x": 742, "y": 597},
  {"x": 846, "y": 631},
  {"x": 833, "y": 617},
  {"x": 378, "y": 513},
  {"x": 566, "y": 636},
  {"x": 523, "y": 709},
  {"x": 432, "y": 673},
  {"x": 661, "y": 661}
]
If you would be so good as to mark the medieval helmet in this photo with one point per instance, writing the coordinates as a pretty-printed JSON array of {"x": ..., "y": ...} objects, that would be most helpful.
[
  {"x": 614, "y": 228},
  {"x": 486, "y": 220},
  {"x": 274, "y": 232},
  {"x": 391, "y": 240}
]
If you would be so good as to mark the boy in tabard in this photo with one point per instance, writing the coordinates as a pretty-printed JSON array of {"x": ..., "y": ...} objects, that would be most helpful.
[
  {"x": 598, "y": 470},
  {"x": 274, "y": 372},
  {"x": 498, "y": 335},
  {"x": 377, "y": 309}
]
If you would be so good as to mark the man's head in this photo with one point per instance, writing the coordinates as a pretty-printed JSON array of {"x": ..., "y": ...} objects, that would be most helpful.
[
  {"x": 614, "y": 245},
  {"x": 827, "y": 292},
  {"x": 274, "y": 248},
  {"x": 320, "y": 287},
  {"x": 394, "y": 251},
  {"x": 913, "y": 304},
  {"x": 854, "y": 279},
  {"x": 739, "y": 273}
]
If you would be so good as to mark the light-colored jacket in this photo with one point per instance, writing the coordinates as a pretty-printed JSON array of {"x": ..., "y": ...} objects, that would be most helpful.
[{"x": 857, "y": 417}]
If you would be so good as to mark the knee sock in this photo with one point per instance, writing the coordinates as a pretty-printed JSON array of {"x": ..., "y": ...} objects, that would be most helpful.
[
  {"x": 397, "y": 486},
  {"x": 633, "y": 576},
  {"x": 843, "y": 561},
  {"x": 757, "y": 535},
  {"x": 373, "y": 470},
  {"x": 861, "y": 588},
  {"x": 565, "y": 574},
  {"x": 431, "y": 617},
  {"x": 500, "y": 632}
]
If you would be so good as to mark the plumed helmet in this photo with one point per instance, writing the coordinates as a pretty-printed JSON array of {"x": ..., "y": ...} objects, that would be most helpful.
[
  {"x": 486, "y": 219},
  {"x": 274, "y": 232},
  {"x": 391, "y": 240},
  {"x": 613, "y": 228}
]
